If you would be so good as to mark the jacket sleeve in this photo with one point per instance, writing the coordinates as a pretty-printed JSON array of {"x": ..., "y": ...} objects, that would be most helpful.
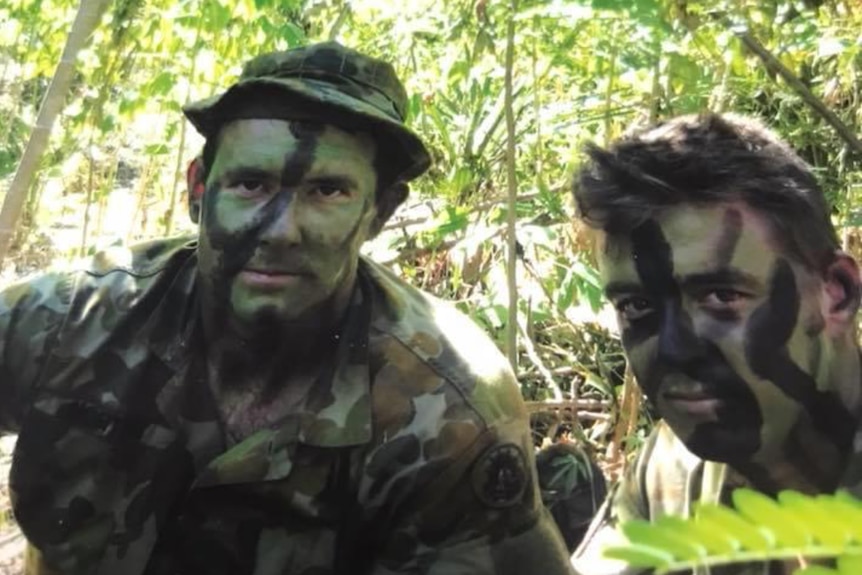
[
  {"x": 478, "y": 511},
  {"x": 32, "y": 313}
]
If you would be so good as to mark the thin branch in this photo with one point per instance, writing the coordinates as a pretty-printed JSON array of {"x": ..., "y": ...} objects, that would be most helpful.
[
  {"x": 546, "y": 374},
  {"x": 774, "y": 65}
]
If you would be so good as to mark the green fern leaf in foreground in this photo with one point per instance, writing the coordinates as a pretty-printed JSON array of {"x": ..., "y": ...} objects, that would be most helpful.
[{"x": 758, "y": 528}]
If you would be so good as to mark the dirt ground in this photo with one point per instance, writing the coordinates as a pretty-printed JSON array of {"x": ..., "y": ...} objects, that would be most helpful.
[{"x": 11, "y": 540}]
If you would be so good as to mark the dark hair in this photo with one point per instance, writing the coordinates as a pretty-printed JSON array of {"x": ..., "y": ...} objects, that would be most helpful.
[
  {"x": 390, "y": 192},
  {"x": 707, "y": 159}
]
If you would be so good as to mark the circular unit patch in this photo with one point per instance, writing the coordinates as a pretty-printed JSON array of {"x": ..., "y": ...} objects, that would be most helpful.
[{"x": 499, "y": 476}]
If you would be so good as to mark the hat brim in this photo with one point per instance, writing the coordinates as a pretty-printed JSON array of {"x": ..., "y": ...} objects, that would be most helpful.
[{"x": 208, "y": 115}]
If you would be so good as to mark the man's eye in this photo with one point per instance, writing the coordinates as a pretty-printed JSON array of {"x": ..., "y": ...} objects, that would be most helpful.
[
  {"x": 248, "y": 187},
  {"x": 634, "y": 308},
  {"x": 328, "y": 191},
  {"x": 723, "y": 298}
]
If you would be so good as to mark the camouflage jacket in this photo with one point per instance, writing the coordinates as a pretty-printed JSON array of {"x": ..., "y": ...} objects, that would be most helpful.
[
  {"x": 665, "y": 479},
  {"x": 411, "y": 455}
]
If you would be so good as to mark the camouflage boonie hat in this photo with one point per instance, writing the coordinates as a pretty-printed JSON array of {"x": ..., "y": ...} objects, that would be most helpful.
[{"x": 333, "y": 76}]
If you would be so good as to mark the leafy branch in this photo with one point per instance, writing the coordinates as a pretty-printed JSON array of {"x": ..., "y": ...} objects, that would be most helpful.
[{"x": 758, "y": 529}]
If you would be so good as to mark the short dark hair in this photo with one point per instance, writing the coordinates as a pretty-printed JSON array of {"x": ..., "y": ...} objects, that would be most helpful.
[
  {"x": 705, "y": 159},
  {"x": 390, "y": 192}
]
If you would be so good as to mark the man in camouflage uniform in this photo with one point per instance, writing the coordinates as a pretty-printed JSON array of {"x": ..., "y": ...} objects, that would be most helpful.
[
  {"x": 737, "y": 312},
  {"x": 264, "y": 400}
]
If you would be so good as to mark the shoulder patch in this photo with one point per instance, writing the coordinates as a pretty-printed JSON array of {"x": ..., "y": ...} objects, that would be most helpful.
[{"x": 499, "y": 476}]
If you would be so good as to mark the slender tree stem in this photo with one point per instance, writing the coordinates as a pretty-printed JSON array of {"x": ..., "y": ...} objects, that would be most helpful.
[{"x": 512, "y": 262}]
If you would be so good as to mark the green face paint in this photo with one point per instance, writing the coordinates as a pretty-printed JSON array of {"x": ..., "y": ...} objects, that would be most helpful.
[
  {"x": 724, "y": 332},
  {"x": 286, "y": 210}
]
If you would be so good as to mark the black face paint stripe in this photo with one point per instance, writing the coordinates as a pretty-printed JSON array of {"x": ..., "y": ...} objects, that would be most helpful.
[
  {"x": 730, "y": 234},
  {"x": 770, "y": 328},
  {"x": 296, "y": 165},
  {"x": 653, "y": 260}
]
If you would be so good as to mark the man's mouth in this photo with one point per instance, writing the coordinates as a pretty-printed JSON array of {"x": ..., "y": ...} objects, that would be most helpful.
[
  {"x": 270, "y": 278},
  {"x": 695, "y": 399}
]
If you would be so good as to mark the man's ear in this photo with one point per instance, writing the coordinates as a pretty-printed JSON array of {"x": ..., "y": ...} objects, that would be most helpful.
[
  {"x": 196, "y": 181},
  {"x": 842, "y": 287}
]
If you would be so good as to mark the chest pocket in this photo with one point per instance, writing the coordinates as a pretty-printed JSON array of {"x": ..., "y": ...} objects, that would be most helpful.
[{"x": 90, "y": 485}]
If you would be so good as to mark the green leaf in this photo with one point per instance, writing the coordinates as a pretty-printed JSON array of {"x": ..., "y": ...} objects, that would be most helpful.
[
  {"x": 850, "y": 564},
  {"x": 760, "y": 508},
  {"x": 734, "y": 525},
  {"x": 816, "y": 570},
  {"x": 845, "y": 508},
  {"x": 640, "y": 555},
  {"x": 161, "y": 84},
  {"x": 823, "y": 521},
  {"x": 292, "y": 34},
  {"x": 156, "y": 149},
  {"x": 663, "y": 536},
  {"x": 713, "y": 540}
]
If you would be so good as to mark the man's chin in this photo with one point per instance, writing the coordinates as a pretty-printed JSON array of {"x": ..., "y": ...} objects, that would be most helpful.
[{"x": 265, "y": 313}]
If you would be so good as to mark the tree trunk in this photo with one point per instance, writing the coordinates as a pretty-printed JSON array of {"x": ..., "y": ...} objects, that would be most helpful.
[{"x": 86, "y": 20}]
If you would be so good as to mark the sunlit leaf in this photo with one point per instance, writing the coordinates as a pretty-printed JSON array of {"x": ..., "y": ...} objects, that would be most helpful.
[
  {"x": 850, "y": 564},
  {"x": 764, "y": 510},
  {"x": 664, "y": 536},
  {"x": 639, "y": 555}
]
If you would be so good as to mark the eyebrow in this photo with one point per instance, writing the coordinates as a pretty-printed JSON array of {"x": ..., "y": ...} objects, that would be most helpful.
[
  {"x": 724, "y": 276},
  {"x": 250, "y": 172},
  {"x": 336, "y": 181}
]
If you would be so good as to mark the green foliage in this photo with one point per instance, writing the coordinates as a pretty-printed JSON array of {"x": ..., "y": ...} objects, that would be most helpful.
[
  {"x": 758, "y": 528},
  {"x": 585, "y": 70}
]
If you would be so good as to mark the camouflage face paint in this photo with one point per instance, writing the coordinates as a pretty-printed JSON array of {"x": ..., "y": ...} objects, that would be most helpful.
[
  {"x": 684, "y": 357},
  {"x": 286, "y": 210},
  {"x": 717, "y": 326},
  {"x": 769, "y": 331}
]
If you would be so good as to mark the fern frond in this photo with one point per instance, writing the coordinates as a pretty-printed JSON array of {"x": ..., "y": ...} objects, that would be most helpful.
[{"x": 757, "y": 529}]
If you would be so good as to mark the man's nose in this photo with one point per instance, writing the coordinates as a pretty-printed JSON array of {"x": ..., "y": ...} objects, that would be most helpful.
[
  {"x": 678, "y": 344},
  {"x": 284, "y": 225}
]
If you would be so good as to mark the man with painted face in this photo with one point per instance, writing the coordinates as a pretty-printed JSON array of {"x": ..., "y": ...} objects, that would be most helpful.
[
  {"x": 264, "y": 400},
  {"x": 737, "y": 312}
]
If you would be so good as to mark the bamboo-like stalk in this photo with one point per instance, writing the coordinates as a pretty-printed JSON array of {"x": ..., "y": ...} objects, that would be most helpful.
[
  {"x": 87, "y": 18},
  {"x": 512, "y": 260}
]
